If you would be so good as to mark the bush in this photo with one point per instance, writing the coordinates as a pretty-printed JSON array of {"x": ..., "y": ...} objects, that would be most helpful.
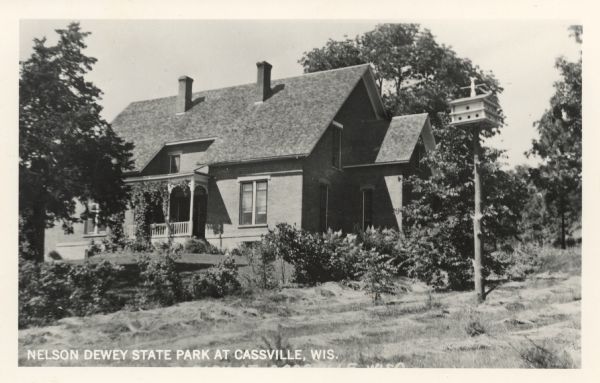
[
  {"x": 345, "y": 254},
  {"x": 331, "y": 256},
  {"x": 137, "y": 246},
  {"x": 92, "y": 285},
  {"x": 261, "y": 271},
  {"x": 217, "y": 281},
  {"x": 51, "y": 291},
  {"x": 172, "y": 248},
  {"x": 200, "y": 246},
  {"x": 386, "y": 241},
  {"x": 377, "y": 274},
  {"x": 160, "y": 282},
  {"x": 304, "y": 250}
]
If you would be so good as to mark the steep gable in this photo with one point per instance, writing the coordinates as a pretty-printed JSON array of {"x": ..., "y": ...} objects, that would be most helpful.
[{"x": 287, "y": 124}]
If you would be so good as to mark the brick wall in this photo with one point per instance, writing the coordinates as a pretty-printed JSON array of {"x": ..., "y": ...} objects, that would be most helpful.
[{"x": 284, "y": 200}]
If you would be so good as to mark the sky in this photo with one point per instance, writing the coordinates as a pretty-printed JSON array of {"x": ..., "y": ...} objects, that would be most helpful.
[{"x": 142, "y": 59}]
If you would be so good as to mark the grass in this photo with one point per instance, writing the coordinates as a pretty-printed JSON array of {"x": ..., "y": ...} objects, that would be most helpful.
[{"x": 523, "y": 324}]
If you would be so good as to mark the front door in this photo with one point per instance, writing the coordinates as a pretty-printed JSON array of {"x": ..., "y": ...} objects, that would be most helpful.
[{"x": 200, "y": 206}]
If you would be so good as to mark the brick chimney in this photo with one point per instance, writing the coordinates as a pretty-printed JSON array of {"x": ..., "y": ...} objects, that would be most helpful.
[
  {"x": 263, "y": 80},
  {"x": 184, "y": 97}
]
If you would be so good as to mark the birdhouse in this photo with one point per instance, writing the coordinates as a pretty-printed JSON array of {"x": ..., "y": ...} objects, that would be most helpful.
[{"x": 480, "y": 109}]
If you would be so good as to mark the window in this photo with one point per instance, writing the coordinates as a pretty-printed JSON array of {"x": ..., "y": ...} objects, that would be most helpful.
[
  {"x": 323, "y": 206},
  {"x": 91, "y": 225},
  {"x": 336, "y": 147},
  {"x": 174, "y": 163},
  {"x": 367, "y": 208},
  {"x": 253, "y": 203}
]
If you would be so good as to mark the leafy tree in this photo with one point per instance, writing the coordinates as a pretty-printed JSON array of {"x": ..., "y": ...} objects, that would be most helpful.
[
  {"x": 67, "y": 151},
  {"x": 440, "y": 213},
  {"x": 536, "y": 225},
  {"x": 416, "y": 74},
  {"x": 559, "y": 145},
  {"x": 413, "y": 71}
]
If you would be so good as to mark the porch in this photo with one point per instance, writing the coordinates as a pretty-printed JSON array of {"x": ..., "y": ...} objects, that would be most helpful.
[{"x": 187, "y": 206}]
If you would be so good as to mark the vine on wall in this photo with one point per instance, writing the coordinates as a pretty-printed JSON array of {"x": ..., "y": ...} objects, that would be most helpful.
[{"x": 147, "y": 195}]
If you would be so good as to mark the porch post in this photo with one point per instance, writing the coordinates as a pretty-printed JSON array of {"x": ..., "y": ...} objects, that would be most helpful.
[
  {"x": 192, "y": 187},
  {"x": 170, "y": 188}
]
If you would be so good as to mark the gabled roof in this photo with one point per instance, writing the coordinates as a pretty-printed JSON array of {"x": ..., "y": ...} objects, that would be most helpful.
[
  {"x": 289, "y": 123},
  {"x": 391, "y": 142},
  {"x": 402, "y": 136}
]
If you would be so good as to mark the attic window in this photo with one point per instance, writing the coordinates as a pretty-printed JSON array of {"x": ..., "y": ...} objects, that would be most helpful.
[{"x": 174, "y": 161}]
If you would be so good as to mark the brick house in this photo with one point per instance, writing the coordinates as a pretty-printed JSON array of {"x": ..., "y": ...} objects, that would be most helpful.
[{"x": 316, "y": 151}]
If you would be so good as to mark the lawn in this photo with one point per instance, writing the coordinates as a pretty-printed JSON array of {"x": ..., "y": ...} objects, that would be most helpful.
[{"x": 531, "y": 323}]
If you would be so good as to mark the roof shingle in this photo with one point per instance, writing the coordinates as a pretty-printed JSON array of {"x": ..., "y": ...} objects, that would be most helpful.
[
  {"x": 288, "y": 123},
  {"x": 401, "y": 138}
]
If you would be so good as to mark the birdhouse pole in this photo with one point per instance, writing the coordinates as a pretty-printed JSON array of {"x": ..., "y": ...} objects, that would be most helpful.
[
  {"x": 477, "y": 262},
  {"x": 475, "y": 112}
]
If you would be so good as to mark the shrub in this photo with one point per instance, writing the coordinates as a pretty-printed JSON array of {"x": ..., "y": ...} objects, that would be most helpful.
[
  {"x": 304, "y": 250},
  {"x": 92, "y": 285},
  {"x": 217, "y": 281},
  {"x": 386, "y": 241},
  {"x": 160, "y": 282},
  {"x": 261, "y": 271},
  {"x": 172, "y": 248},
  {"x": 345, "y": 256},
  {"x": 330, "y": 256},
  {"x": 200, "y": 246},
  {"x": 377, "y": 274},
  {"x": 137, "y": 246},
  {"x": 51, "y": 291}
]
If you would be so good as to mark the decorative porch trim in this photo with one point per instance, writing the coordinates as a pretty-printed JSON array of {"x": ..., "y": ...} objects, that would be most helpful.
[{"x": 165, "y": 177}]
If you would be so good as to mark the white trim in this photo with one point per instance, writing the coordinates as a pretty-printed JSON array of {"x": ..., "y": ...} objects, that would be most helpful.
[
  {"x": 201, "y": 178},
  {"x": 376, "y": 164},
  {"x": 254, "y": 178},
  {"x": 373, "y": 93},
  {"x": 337, "y": 124},
  {"x": 340, "y": 127},
  {"x": 367, "y": 187},
  {"x": 190, "y": 141},
  {"x": 253, "y": 181}
]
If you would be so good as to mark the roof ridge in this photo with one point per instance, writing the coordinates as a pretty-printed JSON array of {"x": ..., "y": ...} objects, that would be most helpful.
[
  {"x": 252, "y": 83},
  {"x": 409, "y": 115},
  {"x": 331, "y": 70}
]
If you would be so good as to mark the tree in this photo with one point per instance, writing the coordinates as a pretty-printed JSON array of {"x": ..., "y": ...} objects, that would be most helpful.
[
  {"x": 559, "y": 145},
  {"x": 413, "y": 71},
  {"x": 67, "y": 151},
  {"x": 415, "y": 74}
]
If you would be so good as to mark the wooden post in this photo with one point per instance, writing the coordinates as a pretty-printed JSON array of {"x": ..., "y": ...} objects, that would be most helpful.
[
  {"x": 477, "y": 262},
  {"x": 192, "y": 188}
]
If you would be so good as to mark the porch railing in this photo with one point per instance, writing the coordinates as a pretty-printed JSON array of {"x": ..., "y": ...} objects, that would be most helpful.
[{"x": 159, "y": 230}]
